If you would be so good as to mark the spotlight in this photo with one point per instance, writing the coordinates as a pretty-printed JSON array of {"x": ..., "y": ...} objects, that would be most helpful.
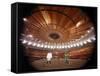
[
  {"x": 48, "y": 46},
  {"x": 29, "y": 43},
  {"x": 41, "y": 45},
  {"x": 78, "y": 44},
  {"x": 68, "y": 46},
  {"x": 71, "y": 45},
  {"x": 89, "y": 40},
  {"x": 92, "y": 28},
  {"x": 81, "y": 43},
  {"x": 79, "y": 23},
  {"x": 82, "y": 36},
  {"x": 29, "y": 36},
  {"x": 60, "y": 46},
  {"x": 65, "y": 46},
  {"x": 74, "y": 45},
  {"x": 45, "y": 46},
  {"x": 51, "y": 46},
  {"x": 93, "y": 38},
  {"x": 85, "y": 42},
  {"x": 24, "y": 41},
  {"x": 54, "y": 46},
  {"x": 57, "y": 46},
  {"x": 88, "y": 31},
  {"x": 38, "y": 45},
  {"x": 25, "y": 19},
  {"x": 34, "y": 44}
]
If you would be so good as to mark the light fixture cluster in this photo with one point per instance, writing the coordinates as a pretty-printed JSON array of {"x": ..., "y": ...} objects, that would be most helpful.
[{"x": 32, "y": 42}]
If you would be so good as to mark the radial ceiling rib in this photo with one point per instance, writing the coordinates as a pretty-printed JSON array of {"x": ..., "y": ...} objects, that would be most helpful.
[{"x": 54, "y": 25}]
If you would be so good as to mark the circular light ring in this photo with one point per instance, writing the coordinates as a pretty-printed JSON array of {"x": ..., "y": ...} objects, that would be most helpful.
[
  {"x": 44, "y": 23},
  {"x": 47, "y": 45}
]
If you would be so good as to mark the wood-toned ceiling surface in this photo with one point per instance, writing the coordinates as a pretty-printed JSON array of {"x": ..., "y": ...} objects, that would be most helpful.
[{"x": 67, "y": 22}]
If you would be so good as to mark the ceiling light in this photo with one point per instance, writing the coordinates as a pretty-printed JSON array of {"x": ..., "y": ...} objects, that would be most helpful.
[
  {"x": 25, "y": 19},
  {"x": 34, "y": 44},
  {"x": 29, "y": 43},
  {"x": 77, "y": 44},
  {"x": 41, "y": 45},
  {"x": 51, "y": 47},
  {"x": 65, "y": 46},
  {"x": 81, "y": 43},
  {"x": 93, "y": 38},
  {"x": 24, "y": 41},
  {"x": 29, "y": 36},
  {"x": 71, "y": 45},
  {"x": 85, "y": 42},
  {"x": 89, "y": 40},
  {"x": 79, "y": 23},
  {"x": 68, "y": 46},
  {"x": 57, "y": 46},
  {"x": 38, "y": 45},
  {"x": 74, "y": 45},
  {"x": 88, "y": 31},
  {"x": 45, "y": 46}
]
